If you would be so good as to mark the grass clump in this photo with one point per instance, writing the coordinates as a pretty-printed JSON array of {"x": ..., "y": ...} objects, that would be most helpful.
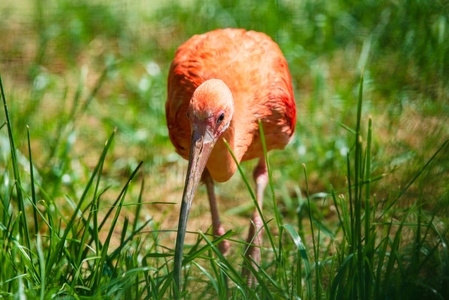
[{"x": 374, "y": 250}]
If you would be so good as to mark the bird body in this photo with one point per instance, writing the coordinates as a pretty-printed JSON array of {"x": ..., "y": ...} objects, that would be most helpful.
[
  {"x": 220, "y": 85},
  {"x": 256, "y": 73}
]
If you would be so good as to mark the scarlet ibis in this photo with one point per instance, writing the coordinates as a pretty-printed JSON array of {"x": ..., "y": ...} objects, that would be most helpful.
[{"x": 219, "y": 85}]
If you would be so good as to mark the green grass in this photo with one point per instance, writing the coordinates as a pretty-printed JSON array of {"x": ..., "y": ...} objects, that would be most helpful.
[{"x": 356, "y": 205}]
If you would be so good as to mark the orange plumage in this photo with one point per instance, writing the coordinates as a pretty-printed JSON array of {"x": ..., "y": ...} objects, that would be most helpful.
[
  {"x": 256, "y": 72},
  {"x": 219, "y": 85}
]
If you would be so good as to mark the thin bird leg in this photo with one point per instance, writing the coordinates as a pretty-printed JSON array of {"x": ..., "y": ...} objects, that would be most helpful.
[
  {"x": 218, "y": 229},
  {"x": 256, "y": 226}
]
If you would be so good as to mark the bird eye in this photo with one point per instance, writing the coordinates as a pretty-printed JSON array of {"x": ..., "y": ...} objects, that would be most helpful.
[{"x": 220, "y": 118}]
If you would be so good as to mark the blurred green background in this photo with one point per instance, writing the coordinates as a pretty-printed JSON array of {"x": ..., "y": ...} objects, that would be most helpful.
[
  {"x": 54, "y": 53},
  {"x": 75, "y": 70}
]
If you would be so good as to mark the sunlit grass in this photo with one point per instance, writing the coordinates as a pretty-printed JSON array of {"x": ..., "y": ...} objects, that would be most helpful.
[
  {"x": 79, "y": 74},
  {"x": 367, "y": 263}
]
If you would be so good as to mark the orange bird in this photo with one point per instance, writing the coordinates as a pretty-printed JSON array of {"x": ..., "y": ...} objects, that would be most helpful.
[{"x": 219, "y": 85}]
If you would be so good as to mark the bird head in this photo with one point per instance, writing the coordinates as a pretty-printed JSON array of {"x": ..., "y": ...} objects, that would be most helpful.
[
  {"x": 211, "y": 108},
  {"x": 210, "y": 113}
]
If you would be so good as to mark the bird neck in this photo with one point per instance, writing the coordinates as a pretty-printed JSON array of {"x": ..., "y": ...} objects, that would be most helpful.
[{"x": 221, "y": 164}]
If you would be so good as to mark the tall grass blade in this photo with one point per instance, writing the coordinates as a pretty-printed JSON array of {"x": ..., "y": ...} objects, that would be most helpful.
[
  {"x": 303, "y": 254},
  {"x": 253, "y": 197},
  {"x": 369, "y": 246},
  {"x": 139, "y": 205},
  {"x": 43, "y": 276},
  {"x": 23, "y": 223},
  {"x": 33, "y": 190},
  {"x": 95, "y": 208},
  {"x": 104, "y": 250},
  {"x": 358, "y": 173},
  {"x": 314, "y": 243}
]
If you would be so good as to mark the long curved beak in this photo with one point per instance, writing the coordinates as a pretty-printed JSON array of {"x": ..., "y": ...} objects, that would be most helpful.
[{"x": 201, "y": 146}]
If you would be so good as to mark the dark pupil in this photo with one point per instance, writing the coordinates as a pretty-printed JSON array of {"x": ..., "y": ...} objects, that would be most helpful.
[{"x": 220, "y": 118}]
